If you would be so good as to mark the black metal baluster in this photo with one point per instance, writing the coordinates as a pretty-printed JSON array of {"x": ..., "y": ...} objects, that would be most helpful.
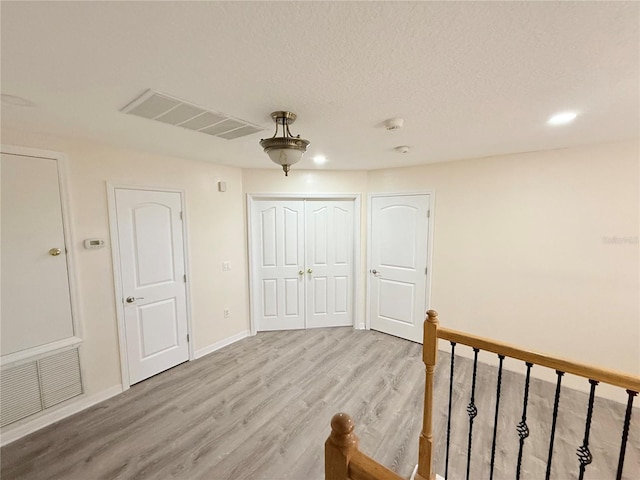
[
  {"x": 584, "y": 455},
  {"x": 625, "y": 433},
  {"x": 495, "y": 421},
  {"x": 471, "y": 408},
  {"x": 556, "y": 403},
  {"x": 522, "y": 428},
  {"x": 446, "y": 462}
]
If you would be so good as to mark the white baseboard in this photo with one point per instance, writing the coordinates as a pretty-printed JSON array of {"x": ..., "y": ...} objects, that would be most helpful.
[
  {"x": 11, "y": 433},
  {"x": 360, "y": 326},
  {"x": 222, "y": 343}
]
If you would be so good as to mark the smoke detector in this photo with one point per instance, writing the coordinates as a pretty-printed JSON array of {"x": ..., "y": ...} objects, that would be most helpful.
[
  {"x": 394, "y": 123},
  {"x": 402, "y": 149}
]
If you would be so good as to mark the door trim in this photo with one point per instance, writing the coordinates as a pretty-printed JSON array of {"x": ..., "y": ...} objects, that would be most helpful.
[
  {"x": 117, "y": 273},
  {"x": 69, "y": 238},
  {"x": 357, "y": 217},
  {"x": 431, "y": 223}
]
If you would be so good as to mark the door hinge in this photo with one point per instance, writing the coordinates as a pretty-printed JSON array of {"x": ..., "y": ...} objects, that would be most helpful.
[
  {"x": 180, "y": 215},
  {"x": 187, "y": 337},
  {"x": 184, "y": 277},
  {"x": 426, "y": 270},
  {"x": 428, "y": 213}
]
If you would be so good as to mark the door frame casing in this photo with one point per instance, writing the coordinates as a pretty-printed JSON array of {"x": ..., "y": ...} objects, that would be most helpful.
[
  {"x": 431, "y": 222},
  {"x": 61, "y": 160},
  {"x": 117, "y": 273},
  {"x": 357, "y": 217}
]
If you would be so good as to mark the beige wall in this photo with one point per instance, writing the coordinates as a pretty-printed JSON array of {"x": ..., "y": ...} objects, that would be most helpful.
[
  {"x": 521, "y": 248},
  {"x": 215, "y": 222},
  {"x": 304, "y": 181}
]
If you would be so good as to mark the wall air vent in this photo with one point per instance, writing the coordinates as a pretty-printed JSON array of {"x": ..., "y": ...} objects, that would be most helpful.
[
  {"x": 167, "y": 109},
  {"x": 31, "y": 387}
]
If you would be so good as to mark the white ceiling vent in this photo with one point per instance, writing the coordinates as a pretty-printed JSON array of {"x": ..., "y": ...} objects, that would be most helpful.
[{"x": 167, "y": 109}]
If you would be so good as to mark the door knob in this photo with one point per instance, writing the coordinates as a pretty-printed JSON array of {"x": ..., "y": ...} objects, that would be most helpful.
[
  {"x": 310, "y": 271},
  {"x": 300, "y": 272},
  {"x": 54, "y": 252},
  {"x": 133, "y": 299},
  {"x": 375, "y": 272}
]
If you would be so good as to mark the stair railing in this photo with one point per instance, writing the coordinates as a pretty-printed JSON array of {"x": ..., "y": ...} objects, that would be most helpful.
[
  {"x": 433, "y": 332},
  {"x": 344, "y": 461}
]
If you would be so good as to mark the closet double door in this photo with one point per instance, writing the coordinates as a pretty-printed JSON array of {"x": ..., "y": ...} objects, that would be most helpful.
[{"x": 302, "y": 267}]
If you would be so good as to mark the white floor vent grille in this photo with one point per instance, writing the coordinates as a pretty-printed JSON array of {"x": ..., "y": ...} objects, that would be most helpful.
[
  {"x": 167, "y": 109},
  {"x": 31, "y": 387}
]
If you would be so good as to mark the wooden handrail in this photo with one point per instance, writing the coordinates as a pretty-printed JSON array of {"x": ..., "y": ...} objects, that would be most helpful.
[
  {"x": 363, "y": 467},
  {"x": 603, "y": 375},
  {"x": 433, "y": 332},
  {"x": 344, "y": 461}
]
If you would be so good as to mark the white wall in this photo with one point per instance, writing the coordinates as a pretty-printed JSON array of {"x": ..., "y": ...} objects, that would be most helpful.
[
  {"x": 522, "y": 253},
  {"x": 215, "y": 222}
]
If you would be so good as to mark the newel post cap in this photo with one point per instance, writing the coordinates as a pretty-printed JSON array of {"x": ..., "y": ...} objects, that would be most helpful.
[
  {"x": 342, "y": 432},
  {"x": 342, "y": 424}
]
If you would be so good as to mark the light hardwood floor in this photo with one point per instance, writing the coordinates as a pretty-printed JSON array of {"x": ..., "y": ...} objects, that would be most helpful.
[{"x": 260, "y": 409}]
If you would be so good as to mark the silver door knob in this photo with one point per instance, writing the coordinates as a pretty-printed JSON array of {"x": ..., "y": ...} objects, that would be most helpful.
[
  {"x": 133, "y": 299},
  {"x": 54, "y": 252},
  {"x": 310, "y": 271},
  {"x": 375, "y": 272},
  {"x": 300, "y": 272}
]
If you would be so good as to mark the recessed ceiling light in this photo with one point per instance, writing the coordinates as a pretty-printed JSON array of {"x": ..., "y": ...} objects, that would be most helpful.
[
  {"x": 562, "y": 118},
  {"x": 319, "y": 159},
  {"x": 16, "y": 101}
]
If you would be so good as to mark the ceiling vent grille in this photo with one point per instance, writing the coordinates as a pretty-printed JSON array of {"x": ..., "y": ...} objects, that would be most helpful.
[{"x": 167, "y": 109}]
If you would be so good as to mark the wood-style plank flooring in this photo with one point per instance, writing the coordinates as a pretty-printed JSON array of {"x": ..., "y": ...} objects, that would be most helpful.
[{"x": 260, "y": 409}]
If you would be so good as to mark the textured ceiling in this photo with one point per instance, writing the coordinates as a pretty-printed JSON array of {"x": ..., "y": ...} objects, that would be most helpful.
[{"x": 470, "y": 79}]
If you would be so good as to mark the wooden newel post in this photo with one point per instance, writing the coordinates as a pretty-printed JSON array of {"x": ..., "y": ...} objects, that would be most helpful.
[
  {"x": 339, "y": 447},
  {"x": 429, "y": 357}
]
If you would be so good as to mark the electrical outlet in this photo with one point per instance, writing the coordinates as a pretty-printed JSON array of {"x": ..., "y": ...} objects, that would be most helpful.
[
  {"x": 226, "y": 266},
  {"x": 226, "y": 313}
]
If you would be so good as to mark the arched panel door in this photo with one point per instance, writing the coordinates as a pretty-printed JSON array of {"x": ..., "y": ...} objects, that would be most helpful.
[
  {"x": 329, "y": 265},
  {"x": 302, "y": 263},
  {"x": 398, "y": 265},
  {"x": 278, "y": 264},
  {"x": 152, "y": 267}
]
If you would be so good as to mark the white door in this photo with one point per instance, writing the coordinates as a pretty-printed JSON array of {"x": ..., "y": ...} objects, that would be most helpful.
[
  {"x": 152, "y": 267},
  {"x": 36, "y": 306},
  {"x": 277, "y": 231},
  {"x": 398, "y": 264},
  {"x": 302, "y": 263},
  {"x": 329, "y": 265}
]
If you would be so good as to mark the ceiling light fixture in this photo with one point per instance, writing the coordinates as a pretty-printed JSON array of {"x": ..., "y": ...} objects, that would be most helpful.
[
  {"x": 562, "y": 118},
  {"x": 287, "y": 149}
]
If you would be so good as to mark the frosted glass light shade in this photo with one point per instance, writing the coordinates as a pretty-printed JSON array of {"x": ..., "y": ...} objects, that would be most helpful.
[{"x": 285, "y": 156}]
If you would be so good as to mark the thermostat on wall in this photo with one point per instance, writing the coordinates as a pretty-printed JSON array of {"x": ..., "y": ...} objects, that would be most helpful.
[{"x": 93, "y": 243}]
